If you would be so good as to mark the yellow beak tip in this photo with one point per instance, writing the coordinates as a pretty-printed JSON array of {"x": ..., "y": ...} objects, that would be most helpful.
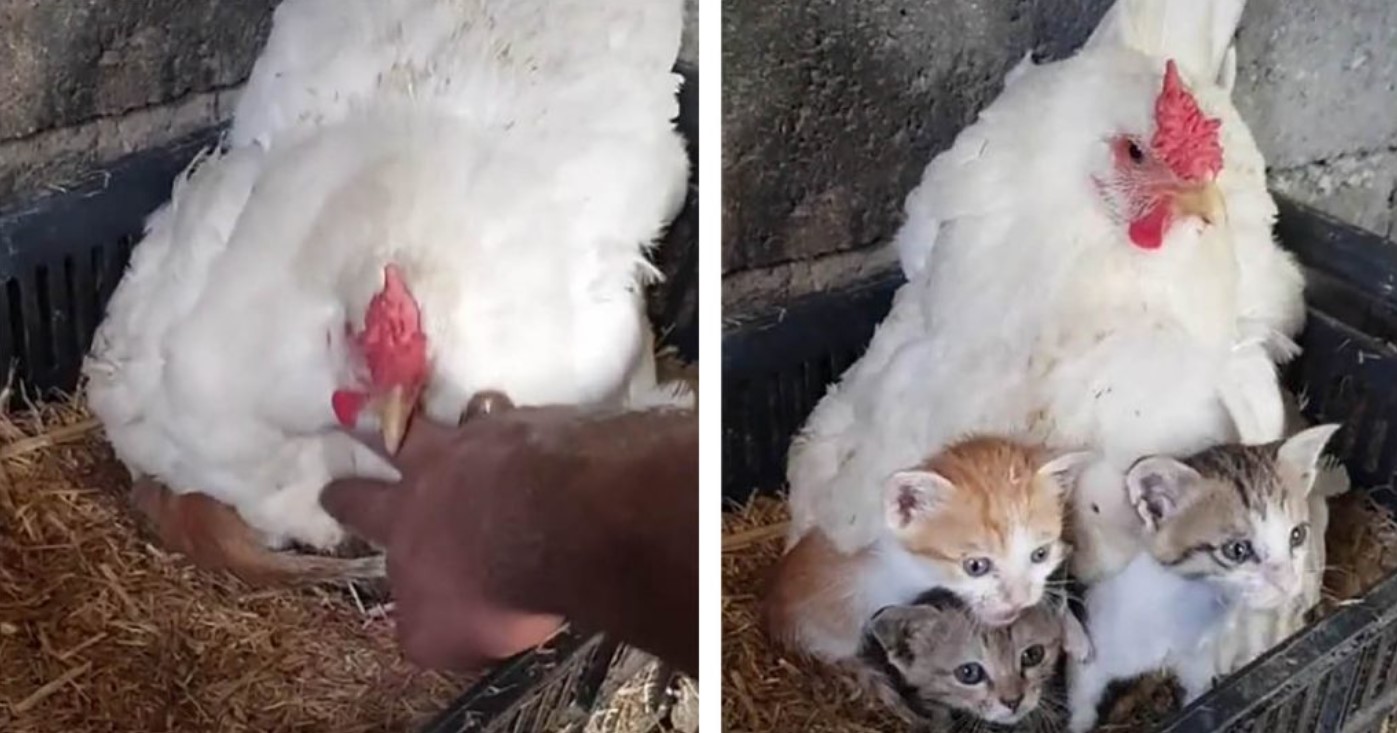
[
  {"x": 394, "y": 413},
  {"x": 1205, "y": 202},
  {"x": 391, "y": 443}
]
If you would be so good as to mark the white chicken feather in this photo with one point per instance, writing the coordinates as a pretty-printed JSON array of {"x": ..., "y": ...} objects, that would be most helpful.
[
  {"x": 512, "y": 160},
  {"x": 1028, "y": 312},
  {"x": 481, "y": 60}
]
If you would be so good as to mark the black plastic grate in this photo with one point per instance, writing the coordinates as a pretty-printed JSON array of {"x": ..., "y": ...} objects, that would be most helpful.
[
  {"x": 553, "y": 688},
  {"x": 62, "y": 255},
  {"x": 1339, "y": 674}
]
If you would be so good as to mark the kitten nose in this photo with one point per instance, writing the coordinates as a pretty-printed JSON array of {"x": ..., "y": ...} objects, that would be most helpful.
[
  {"x": 1012, "y": 703},
  {"x": 1282, "y": 579},
  {"x": 1018, "y": 596}
]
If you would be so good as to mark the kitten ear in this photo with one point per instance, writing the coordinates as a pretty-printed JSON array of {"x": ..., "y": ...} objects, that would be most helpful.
[
  {"x": 1064, "y": 470},
  {"x": 910, "y": 496},
  {"x": 1298, "y": 457},
  {"x": 1158, "y": 487},
  {"x": 940, "y": 599},
  {"x": 892, "y": 627},
  {"x": 1075, "y": 639}
]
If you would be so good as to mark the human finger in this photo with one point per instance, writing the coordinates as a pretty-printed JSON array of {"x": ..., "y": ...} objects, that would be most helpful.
[
  {"x": 487, "y": 402},
  {"x": 367, "y": 507}
]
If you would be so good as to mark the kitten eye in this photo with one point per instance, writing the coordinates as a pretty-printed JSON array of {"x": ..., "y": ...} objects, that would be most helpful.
[
  {"x": 1133, "y": 150},
  {"x": 1238, "y": 551},
  {"x": 976, "y": 566},
  {"x": 1299, "y": 535},
  {"x": 1040, "y": 554},
  {"x": 970, "y": 673},
  {"x": 1032, "y": 656}
]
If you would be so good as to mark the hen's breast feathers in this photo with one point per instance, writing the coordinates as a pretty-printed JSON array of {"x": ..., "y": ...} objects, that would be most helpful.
[
  {"x": 218, "y": 347},
  {"x": 992, "y": 221}
]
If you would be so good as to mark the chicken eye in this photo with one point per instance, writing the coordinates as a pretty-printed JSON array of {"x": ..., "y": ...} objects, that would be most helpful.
[
  {"x": 1039, "y": 555},
  {"x": 1133, "y": 150},
  {"x": 1238, "y": 551},
  {"x": 1032, "y": 656},
  {"x": 976, "y": 566},
  {"x": 1299, "y": 535},
  {"x": 970, "y": 673}
]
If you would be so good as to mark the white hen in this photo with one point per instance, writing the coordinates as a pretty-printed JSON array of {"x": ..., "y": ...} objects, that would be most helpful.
[
  {"x": 1090, "y": 265},
  {"x": 418, "y": 200}
]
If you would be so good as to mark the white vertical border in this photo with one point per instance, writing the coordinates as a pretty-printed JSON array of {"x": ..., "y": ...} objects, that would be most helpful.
[{"x": 710, "y": 364}]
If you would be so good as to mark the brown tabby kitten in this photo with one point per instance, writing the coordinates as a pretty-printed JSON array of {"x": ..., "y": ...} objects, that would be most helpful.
[{"x": 935, "y": 664}]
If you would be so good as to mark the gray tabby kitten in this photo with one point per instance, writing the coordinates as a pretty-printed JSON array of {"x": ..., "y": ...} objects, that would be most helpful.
[
  {"x": 933, "y": 662},
  {"x": 1227, "y": 533},
  {"x": 1257, "y": 631}
]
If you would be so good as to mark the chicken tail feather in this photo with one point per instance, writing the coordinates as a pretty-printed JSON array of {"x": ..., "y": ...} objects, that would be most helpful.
[{"x": 1197, "y": 34}]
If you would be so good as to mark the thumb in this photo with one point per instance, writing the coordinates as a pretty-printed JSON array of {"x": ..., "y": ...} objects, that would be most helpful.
[{"x": 367, "y": 507}]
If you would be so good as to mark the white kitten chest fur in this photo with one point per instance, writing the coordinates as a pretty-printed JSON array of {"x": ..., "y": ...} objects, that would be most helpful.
[
  {"x": 1144, "y": 619},
  {"x": 887, "y": 575},
  {"x": 894, "y": 575}
]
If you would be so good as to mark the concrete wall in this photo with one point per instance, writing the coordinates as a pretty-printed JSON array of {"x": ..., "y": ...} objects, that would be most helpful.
[
  {"x": 831, "y": 109},
  {"x": 85, "y": 81},
  {"x": 88, "y": 80},
  {"x": 1317, "y": 82}
]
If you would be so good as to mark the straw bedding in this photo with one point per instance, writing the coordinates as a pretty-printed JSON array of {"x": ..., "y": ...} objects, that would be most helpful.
[
  {"x": 630, "y": 708},
  {"x": 763, "y": 689},
  {"x": 101, "y": 630},
  {"x": 768, "y": 690}
]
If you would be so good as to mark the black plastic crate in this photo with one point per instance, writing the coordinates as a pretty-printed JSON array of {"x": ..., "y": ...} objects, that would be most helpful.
[
  {"x": 1339, "y": 674},
  {"x": 63, "y": 253}
]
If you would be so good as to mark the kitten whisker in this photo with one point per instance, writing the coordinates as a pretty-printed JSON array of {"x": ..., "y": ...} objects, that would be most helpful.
[
  {"x": 962, "y": 725},
  {"x": 1065, "y": 594}
]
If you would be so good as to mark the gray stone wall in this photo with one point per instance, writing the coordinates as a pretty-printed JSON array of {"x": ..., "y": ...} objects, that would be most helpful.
[
  {"x": 83, "y": 81},
  {"x": 86, "y": 81},
  {"x": 1317, "y": 82},
  {"x": 831, "y": 109}
]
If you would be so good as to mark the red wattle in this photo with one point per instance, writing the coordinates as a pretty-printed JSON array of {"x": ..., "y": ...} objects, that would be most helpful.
[
  {"x": 1147, "y": 232},
  {"x": 347, "y": 405}
]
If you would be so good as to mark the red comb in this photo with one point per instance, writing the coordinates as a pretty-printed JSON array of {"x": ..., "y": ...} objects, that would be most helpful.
[
  {"x": 395, "y": 349},
  {"x": 1184, "y": 138}
]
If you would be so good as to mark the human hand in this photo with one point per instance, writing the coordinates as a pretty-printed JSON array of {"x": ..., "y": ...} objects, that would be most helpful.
[{"x": 451, "y": 527}]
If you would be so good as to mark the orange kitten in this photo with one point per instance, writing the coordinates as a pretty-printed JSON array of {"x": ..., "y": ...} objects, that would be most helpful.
[{"x": 982, "y": 519}]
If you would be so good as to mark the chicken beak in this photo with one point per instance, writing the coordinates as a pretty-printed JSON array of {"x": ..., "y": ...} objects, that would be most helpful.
[
  {"x": 1203, "y": 201},
  {"x": 394, "y": 411}
]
